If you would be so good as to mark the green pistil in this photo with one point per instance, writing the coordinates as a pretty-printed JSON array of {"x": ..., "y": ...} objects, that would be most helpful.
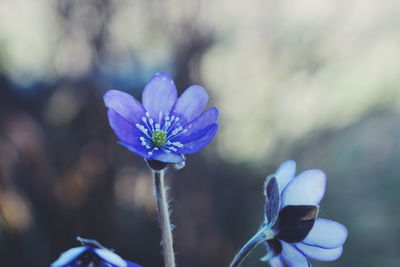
[{"x": 159, "y": 138}]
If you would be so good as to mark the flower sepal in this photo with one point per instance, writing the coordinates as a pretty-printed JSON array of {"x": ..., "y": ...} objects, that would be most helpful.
[
  {"x": 179, "y": 165},
  {"x": 156, "y": 165},
  {"x": 272, "y": 200}
]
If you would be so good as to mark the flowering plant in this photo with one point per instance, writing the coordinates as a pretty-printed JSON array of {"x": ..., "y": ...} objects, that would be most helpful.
[
  {"x": 164, "y": 127},
  {"x": 291, "y": 231},
  {"x": 92, "y": 253}
]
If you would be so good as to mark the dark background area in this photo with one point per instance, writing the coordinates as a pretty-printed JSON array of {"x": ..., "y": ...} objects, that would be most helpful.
[{"x": 314, "y": 82}]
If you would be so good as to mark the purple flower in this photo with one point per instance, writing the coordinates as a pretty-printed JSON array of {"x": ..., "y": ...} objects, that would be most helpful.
[
  {"x": 291, "y": 210},
  {"x": 91, "y": 254},
  {"x": 163, "y": 127}
]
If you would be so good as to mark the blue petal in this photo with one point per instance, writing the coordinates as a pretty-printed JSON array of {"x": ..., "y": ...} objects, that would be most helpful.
[
  {"x": 320, "y": 254},
  {"x": 190, "y": 104},
  {"x": 124, "y": 104},
  {"x": 159, "y": 95},
  {"x": 200, "y": 140},
  {"x": 307, "y": 188},
  {"x": 132, "y": 264},
  {"x": 126, "y": 131},
  {"x": 137, "y": 149},
  {"x": 198, "y": 127},
  {"x": 69, "y": 256},
  {"x": 110, "y": 257},
  {"x": 207, "y": 118},
  {"x": 167, "y": 157},
  {"x": 157, "y": 154},
  {"x": 276, "y": 262},
  {"x": 326, "y": 234},
  {"x": 293, "y": 257},
  {"x": 285, "y": 174}
]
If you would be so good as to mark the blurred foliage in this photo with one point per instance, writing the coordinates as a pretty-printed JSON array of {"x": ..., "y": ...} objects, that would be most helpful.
[{"x": 315, "y": 81}]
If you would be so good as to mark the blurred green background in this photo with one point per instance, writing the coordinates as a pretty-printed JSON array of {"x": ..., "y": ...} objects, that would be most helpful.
[{"x": 314, "y": 81}]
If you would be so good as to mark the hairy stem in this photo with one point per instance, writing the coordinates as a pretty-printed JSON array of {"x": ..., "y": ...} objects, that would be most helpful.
[
  {"x": 261, "y": 236},
  {"x": 163, "y": 213}
]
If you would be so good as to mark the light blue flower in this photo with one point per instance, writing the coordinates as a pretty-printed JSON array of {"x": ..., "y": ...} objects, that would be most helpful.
[
  {"x": 163, "y": 127},
  {"x": 308, "y": 238},
  {"x": 91, "y": 254}
]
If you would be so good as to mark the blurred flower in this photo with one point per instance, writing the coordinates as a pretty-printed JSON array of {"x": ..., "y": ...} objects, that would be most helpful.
[
  {"x": 164, "y": 127},
  {"x": 91, "y": 254},
  {"x": 291, "y": 210}
]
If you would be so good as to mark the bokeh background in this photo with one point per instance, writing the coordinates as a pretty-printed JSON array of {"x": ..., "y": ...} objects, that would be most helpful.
[{"x": 314, "y": 81}]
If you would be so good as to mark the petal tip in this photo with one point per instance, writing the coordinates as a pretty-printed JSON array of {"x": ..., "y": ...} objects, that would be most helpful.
[
  {"x": 290, "y": 163},
  {"x": 318, "y": 175},
  {"x": 215, "y": 110},
  {"x": 199, "y": 89},
  {"x": 327, "y": 234},
  {"x": 124, "y": 104},
  {"x": 107, "y": 97},
  {"x": 162, "y": 75},
  {"x": 285, "y": 173}
]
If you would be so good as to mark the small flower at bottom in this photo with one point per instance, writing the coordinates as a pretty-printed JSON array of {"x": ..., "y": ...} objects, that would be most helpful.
[
  {"x": 291, "y": 209},
  {"x": 164, "y": 127},
  {"x": 91, "y": 253}
]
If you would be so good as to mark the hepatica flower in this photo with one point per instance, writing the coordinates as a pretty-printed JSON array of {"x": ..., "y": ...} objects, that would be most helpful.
[
  {"x": 292, "y": 233},
  {"x": 163, "y": 127},
  {"x": 91, "y": 254}
]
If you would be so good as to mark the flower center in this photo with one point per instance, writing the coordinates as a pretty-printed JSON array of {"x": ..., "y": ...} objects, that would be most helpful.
[
  {"x": 162, "y": 134},
  {"x": 159, "y": 138}
]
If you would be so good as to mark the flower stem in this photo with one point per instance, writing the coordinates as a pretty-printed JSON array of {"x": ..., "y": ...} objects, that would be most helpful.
[
  {"x": 163, "y": 213},
  {"x": 263, "y": 235}
]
